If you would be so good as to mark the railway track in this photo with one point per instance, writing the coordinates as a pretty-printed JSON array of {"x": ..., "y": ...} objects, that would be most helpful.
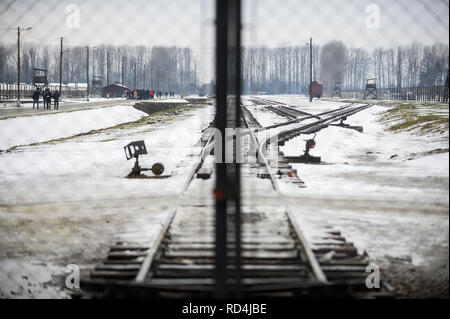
[
  {"x": 281, "y": 108},
  {"x": 338, "y": 259},
  {"x": 276, "y": 259}
]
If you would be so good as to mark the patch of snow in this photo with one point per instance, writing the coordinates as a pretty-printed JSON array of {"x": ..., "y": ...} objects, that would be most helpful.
[
  {"x": 34, "y": 129},
  {"x": 163, "y": 100}
]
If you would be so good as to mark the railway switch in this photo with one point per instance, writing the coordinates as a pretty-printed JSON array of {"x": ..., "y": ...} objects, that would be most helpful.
[
  {"x": 306, "y": 157},
  {"x": 133, "y": 150},
  {"x": 344, "y": 125}
]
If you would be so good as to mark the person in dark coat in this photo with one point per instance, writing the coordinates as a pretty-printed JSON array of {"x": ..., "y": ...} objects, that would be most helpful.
[
  {"x": 56, "y": 96},
  {"x": 43, "y": 98},
  {"x": 47, "y": 98},
  {"x": 36, "y": 95}
]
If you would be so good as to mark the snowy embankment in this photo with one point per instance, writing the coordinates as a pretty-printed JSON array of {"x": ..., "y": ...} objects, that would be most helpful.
[
  {"x": 36, "y": 129},
  {"x": 164, "y": 100},
  {"x": 91, "y": 99}
]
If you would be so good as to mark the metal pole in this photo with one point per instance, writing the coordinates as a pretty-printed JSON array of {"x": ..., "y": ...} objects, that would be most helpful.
[
  {"x": 18, "y": 66},
  {"x": 107, "y": 67},
  {"x": 134, "y": 83},
  {"x": 195, "y": 77},
  {"x": 310, "y": 70},
  {"x": 123, "y": 68},
  {"x": 87, "y": 72},
  {"x": 221, "y": 176},
  {"x": 227, "y": 191},
  {"x": 143, "y": 76},
  {"x": 152, "y": 84},
  {"x": 236, "y": 29},
  {"x": 157, "y": 78},
  {"x": 60, "y": 66}
]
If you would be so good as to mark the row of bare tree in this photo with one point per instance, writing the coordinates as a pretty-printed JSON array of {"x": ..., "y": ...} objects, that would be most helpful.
[
  {"x": 274, "y": 70},
  {"x": 160, "y": 68},
  {"x": 286, "y": 69}
]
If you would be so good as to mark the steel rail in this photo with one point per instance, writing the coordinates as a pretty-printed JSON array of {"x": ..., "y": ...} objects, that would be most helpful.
[
  {"x": 287, "y": 106},
  {"x": 315, "y": 266},
  {"x": 335, "y": 117},
  {"x": 145, "y": 267}
]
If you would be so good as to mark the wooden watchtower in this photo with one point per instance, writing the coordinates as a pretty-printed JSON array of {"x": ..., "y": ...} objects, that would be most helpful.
[
  {"x": 337, "y": 91},
  {"x": 97, "y": 83},
  {"x": 371, "y": 89},
  {"x": 39, "y": 77}
]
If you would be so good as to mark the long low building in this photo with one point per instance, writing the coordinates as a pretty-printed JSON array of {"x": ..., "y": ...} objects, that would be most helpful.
[{"x": 114, "y": 90}]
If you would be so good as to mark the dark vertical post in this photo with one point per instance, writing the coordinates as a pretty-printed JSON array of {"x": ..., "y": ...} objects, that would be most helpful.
[
  {"x": 221, "y": 176},
  {"x": 87, "y": 72},
  {"x": 134, "y": 81},
  {"x": 143, "y": 76},
  {"x": 310, "y": 69},
  {"x": 157, "y": 78},
  {"x": 107, "y": 67},
  {"x": 152, "y": 82},
  {"x": 18, "y": 66},
  {"x": 236, "y": 29},
  {"x": 123, "y": 70},
  {"x": 227, "y": 192},
  {"x": 60, "y": 66}
]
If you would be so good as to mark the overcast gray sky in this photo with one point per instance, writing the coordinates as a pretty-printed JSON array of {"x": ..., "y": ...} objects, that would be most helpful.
[{"x": 189, "y": 22}]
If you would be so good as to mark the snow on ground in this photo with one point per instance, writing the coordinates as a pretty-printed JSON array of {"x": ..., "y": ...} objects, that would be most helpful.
[
  {"x": 195, "y": 96},
  {"x": 91, "y": 99},
  {"x": 65, "y": 202},
  {"x": 381, "y": 191},
  {"x": 34, "y": 129},
  {"x": 387, "y": 192},
  {"x": 164, "y": 100}
]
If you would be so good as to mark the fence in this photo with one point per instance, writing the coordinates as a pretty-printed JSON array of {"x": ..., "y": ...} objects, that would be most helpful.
[
  {"x": 421, "y": 93},
  {"x": 9, "y": 91}
]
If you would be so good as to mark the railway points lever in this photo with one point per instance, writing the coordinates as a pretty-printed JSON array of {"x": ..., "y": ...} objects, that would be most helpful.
[
  {"x": 306, "y": 157},
  {"x": 344, "y": 125},
  {"x": 134, "y": 150}
]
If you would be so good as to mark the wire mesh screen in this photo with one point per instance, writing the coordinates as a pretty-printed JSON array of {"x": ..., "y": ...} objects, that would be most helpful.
[{"x": 77, "y": 83}]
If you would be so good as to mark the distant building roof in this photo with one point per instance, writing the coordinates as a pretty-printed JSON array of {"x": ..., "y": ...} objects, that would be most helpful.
[{"x": 118, "y": 85}]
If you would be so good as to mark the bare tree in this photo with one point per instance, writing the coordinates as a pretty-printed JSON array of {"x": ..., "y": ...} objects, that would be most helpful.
[{"x": 333, "y": 63}]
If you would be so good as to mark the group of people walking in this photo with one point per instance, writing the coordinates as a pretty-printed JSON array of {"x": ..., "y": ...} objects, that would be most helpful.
[
  {"x": 146, "y": 94},
  {"x": 47, "y": 96},
  {"x": 159, "y": 94}
]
